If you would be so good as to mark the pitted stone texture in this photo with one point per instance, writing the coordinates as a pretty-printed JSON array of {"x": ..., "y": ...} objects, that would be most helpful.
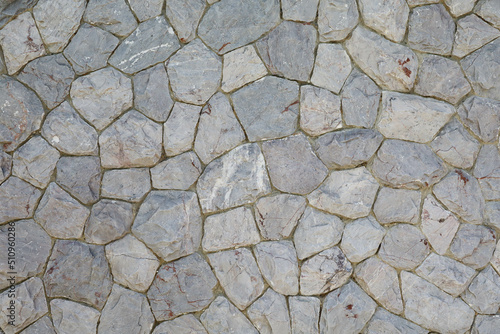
[
  {"x": 178, "y": 173},
  {"x": 381, "y": 282},
  {"x": 5, "y": 165},
  {"x": 404, "y": 247},
  {"x": 481, "y": 116},
  {"x": 126, "y": 184},
  {"x": 151, "y": 93},
  {"x": 90, "y": 49},
  {"x": 336, "y": 19},
  {"x": 346, "y": 310},
  {"x": 403, "y": 164},
  {"x": 361, "y": 238},
  {"x": 218, "y": 130},
  {"x": 392, "y": 66},
  {"x": 277, "y": 215},
  {"x": 352, "y": 202},
  {"x": 238, "y": 177},
  {"x": 441, "y": 78},
  {"x": 411, "y": 117},
  {"x": 487, "y": 171},
  {"x": 186, "y": 324},
  {"x": 222, "y": 317},
  {"x": 485, "y": 324},
  {"x": 78, "y": 271},
  {"x": 101, "y": 96},
  {"x": 268, "y": 108},
  {"x": 195, "y": 73},
  {"x": 41, "y": 326},
  {"x": 146, "y": 9},
  {"x": 123, "y": 146},
  {"x": 185, "y": 16},
  {"x": 489, "y": 11},
  {"x": 112, "y": 15},
  {"x": 230, "y": 229},
  {"x": 70, "y": 317},
  {"x": 19, "y": 199},
  {"x": 35, "y": 162},
  {"x": 324, "y": 272},
  {"x": 431, "y": 29},
  {"x": 109, "y": 220},
  {"x": 269, "y": 313},
  {"x": 388, "y": 18},
  {"x": 238, "y": 275},
  {"x": 21, "y": 42},
  {"x": 81, "y": 177},
  {"x": 241, "y": 66},
  {"x": 384, "y": 322},
  {"x": 332, "y": 67},
  {"x": 229, "y": 24},
  {"x": 397, "y": 206},
  {"x": 472, "y": 33},
  {"x": 169, "y": 222},
  {"x": 152, "y": 42},
  {"x": 299, "y": 10},
  {"x": 347, "y": 148},
  {"x": 316, "y": 232},
  {"x": 288, "y": 50},
  {"x": 360, "y": 100},
  {"x": 183, "y": 116},
  {"x": 304, "y": 314},
  {"x": 319, "y": 110},
  {"x": 21, "y": 113},
  {"x": 492, "y": 215},
  {"x": 473, "y": 245}
]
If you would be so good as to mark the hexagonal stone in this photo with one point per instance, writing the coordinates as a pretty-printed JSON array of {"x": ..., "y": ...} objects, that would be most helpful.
[
  {"x": 384, "y": 322},
  {"x": 35, "y": 162},
  {"x": 489, "y": 11},
  {"x": 5, "y": 165},
  {"x": 144, "y": 10},
  {"x": 319, "y": 110},
  {"x": 185, "y": 16},
  {"x": 304, "y": 314},
  {"x": 229, "y": 24},
  {"x": 288, "y": 50},
  {"x": 346, "y": 310},
  {"x": 361, "y": 238},
  {"x": 19, "y": 199},
  {"x": 81, "y": 177},
  {"x": 472, "y": 33},
  {"x": 185, "y": 324},
  {"x": 316, "y": 232},
  {"x": 336, "y": 19},
  {"x": 404, "y": 247},
  {"x": 69, "y": 317},
  {"x": 101, "y": 96},
  {"x": 60, "y": 214},
  {"x": 269, "y": 313},
  {"x": 109, "y": 220},
  {"x": 487, "y": 171},
  {"x": 299, "y": 10},
  {"x": 332, "y": 67},
  {"x": 324, "y": 272},
  {"x": 387, "y": 18},
  {"x": 352, "y": 202},
  {"x": 403, "y": 164},
  {"x": 397, "y": 206},
  {"x": 111, "y": 15},
  {"x": 179, "y": 172},
  {"x": 473, "y": 245},
  {"x": 277, "y": 215},
  {"x": 169, "y": 222},
  {"x": 492, "y": 215},
  {"x": 78, "y": 271},
  {"x": 90, "y": 49},
  {"x": 183, "y": 116},
  {"x": 240, "y": 67},
  {"x": 238, "y": 177},
  {"x": 268, "y": 108},
  {"x": 21, "y": 42},
  {"x": 126, "y": 184},
  {"x": 41, "y": 326},
  {"x": 481, "y": 116},
  {"x": 222, "y": 317},
  {"x": 485, "y": 324},
  {"x": 123, "y": 146},
  {"x": 392, "y": 66}
]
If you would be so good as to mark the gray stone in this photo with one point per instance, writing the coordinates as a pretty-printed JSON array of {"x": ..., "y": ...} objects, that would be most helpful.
[
  {"x": 78, "y": 271},
  {"x": 304, "y": 314},
  {"x": 414, "y": 3},
  {"x": 489, "y": 11},
  {"x": 332, "y": 67},
  {"x": 381, "y": 282},
  {"x": 336, "y": 19},
  {"x": 126, "y": 184},
  {"x": 90, "y": 49},
  {"x": 299, "y": 10},
  {"x": 397, "y": 206},
  {"x": 179, "y": 172},
  {"x": 384, "y": 322},
  {"x": 35, "y": 162},
  {"x": 472, "y": 33},
  {"x": 268, "y": 108},
  {"x": 144, "y": 10},
  {"x": 347, "y": 148},
  {"x": 269, "y": 313},
  {"x": 126, "y": 312},
  {"x": 21, "y": 42},
  {"x": 487, "y": 171},
  {"x": 324, "y": 272},
  {"x": 101, "y": 96},
  {"x": 122, "y": 146},
  {"x": 316, "y": 232},
  {"x": 277, "y": 215},
  {"x": 459, "y": 7},
  {"x": 319, "y": 110},
  {"x": 218, "y": 131},
  {"x": 361, "y": 238},
  {"x": 403, "y": 164},
  {"x": 169, "y": 222},
  {"x": 230, "y": 229},
  {"x": 240, "y": 67},
  {"x": 346, "y": 310},
  {"x": 485, "y": 324},
  {"x": 238, "y": 177},
  {"x": 288, "y": 50},
  {"x": 423, "y": 300},
  {"x": 41, "y": 326},
  {"x": 238, "y": 275},
  {"x": 112, "y": 15},
  {"x": 185, "y": 117},
  {"x": 388, "y": 18},
  {"x": 473, "y": 245},
  {"x": 392, "y": 66},
  {"x": 70, "y": 317},
  {"x": 222, "y": 317},
  {"x": 353, "y": 202},
  {"x": 482, "y": 117},
  {"x": 404, "y": 247},
  {"x": 492, "y": 215},
  {"x": 81, "y": 177},
  {"x": 109, "y": 220},
  {"x": 186, "y": 324},
  {"x": 5, "y": 165},
  {"x": 19, "y": 199},
  {"x": 185, "y": 16},
  {"x": 136, "y": 53},
  {"x": 229, "y": 24},
  {"x": 495, "y": 260},
  {"x": 11, "y": 8}
]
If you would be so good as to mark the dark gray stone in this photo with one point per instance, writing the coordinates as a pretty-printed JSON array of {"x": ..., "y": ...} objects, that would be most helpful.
[{"x": 126, "y": 184}]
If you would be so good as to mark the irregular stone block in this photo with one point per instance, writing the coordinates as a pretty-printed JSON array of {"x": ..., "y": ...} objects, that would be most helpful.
[
  {"x": 41, "y": 326},
  {"x": 492, "y": 214},
  {"x": 397, "y": 206},
  {"x": 319, "y": 110},
  {"x": 485, "y": 324},
  {"x": 185, "y": 324},
  {"x": 269, "y": 313},
  {"x": 384, "y": 322},
  {"x": 69, "y": 317},
  {"x": 489, "y": 11},
  {"x": 299, "y": 10},
  {"x": 387, "y": 18},
  {"x": 222, "y": 317},
  {"x": 112, "y": 15},
  {"x": 19, "y": 199},
  {"x": 304, "y": 314},
  {"x": 185, "y": 117},
  {"x": 481, "y": 116},
  {"x": 81, "y": 177},
  {"x": 126, "y": 184},
  {"x": 361, "y": 238},
  {"x": 109, "y": 220},
  {"x": 460, "y": 7},
  {"x": 487, "y": 171},
  {"x": 473, "y": 245},
  {"x": 185, "y": 16},
  {"x": 179, "y": 172},
  {"x": 5, "y": 165},
  {"x": 336, "y": 19},
  {"x": 240, "y": 67},
  {"x": 146, "y": 9},
  {"x": 332, "y": 67},
  {"x": 472, "y": 33}
]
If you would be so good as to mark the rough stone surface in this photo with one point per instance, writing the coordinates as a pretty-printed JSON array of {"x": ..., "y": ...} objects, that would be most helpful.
[
  {"x": 41, "y": 326},
  {"x": 304, "y": 314},
  {"x": 488, "y": 10},
  {"x": 109, "y": 220},
  {"x": 222, "y": 317},
  {"x": 269, "y": 313},
  {"x": 336, "y": 19},
  {"x": 81, "y": 177},
  {"x": 13, "y": 8},
  {"x": 299, "y": 10},
  {"x": 460, "y": 7},
  {"x": 487, "y": 171},
  {"x": 472, "y": 33},
  {"x": 397, "y": 206},
  {"x": 332, "y": 67},
  {"x": 319, "y": 110},
  {"x": 473, "y": 245},
  {"x": 186, "y": 324},
  {"x": 492, "y": 215},
  {"x": 179, "y": 172},
  {"x": 481, "y": 116},
  {"x": 485, "y": 324},
  {"x": 114, "y": 16},
  {"x": 70, "y": 317},
  {"x": 241, "y": 66},
  {"x": 5, "y": 165},
  {"x": 361, "y": 238},
  {"x": 19, "y": 199},
  {"x": 146, "y": 9},
  {"x": 384, "y": 322},
  {"x": 185, "y": 16},
  {"x": 183, "y": 116},
  {"x": 388, "y": 18},
  {"x": 126, "y": 184}
]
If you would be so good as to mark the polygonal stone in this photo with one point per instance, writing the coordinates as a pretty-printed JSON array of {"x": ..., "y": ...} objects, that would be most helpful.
[
  {"x": 81, "y": 177},
  {"x": 69, "y": 317},
  {"x": 481, "y": 116},
  {"x": 179, "y": 172},
  {"x": 240, "y": 67},
  {"x": 5, "y": 165},
  {"x": 460, "y": 7},
  {"x": 269, "y": 313},
  {"x": 360, "y": 100},
  {"x": 332, "y": 67},
  {"x": 126, "y": 184},
  {"x": 384, "y": 322},
  {"x": 397, "y": 206},
  {"x": 19, "y": 199},
  {"x": 304, "y": 314},
  {"x": 109, "y": 220},
  {"x": 487, "y": 171},
  {"x": 299, "y": 10},
  {"x": 472, "y": 33},
  {"x": 8, "y": 9},
  {"x": 238, "y": 177},
  {"x": 183, "y": 116},
  {"x": 222, "y": 317},
  {"x": 361, "y": 238},
  {"x": 185, "y": 16},
  {"x": 41, "y": 326},
  {"x": 485, "y": 324},
  {"x": 492, "y": 214},
  {"x": 336, "y": 19},
  {"x": 388, "y": 18},
  {"x": 111, "y": 15},
  {"x": 268, "y": 108},
  {"x": 185, "y": 324},
  {"x": 352, "y": 202},
  {"x": 146, "y": 9},
  {"x": 473, "y": 245},
  {"x": 169, "y": 222},
  {"x": 489, "y": 11},
  {"x": 319, "y": 110}
]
